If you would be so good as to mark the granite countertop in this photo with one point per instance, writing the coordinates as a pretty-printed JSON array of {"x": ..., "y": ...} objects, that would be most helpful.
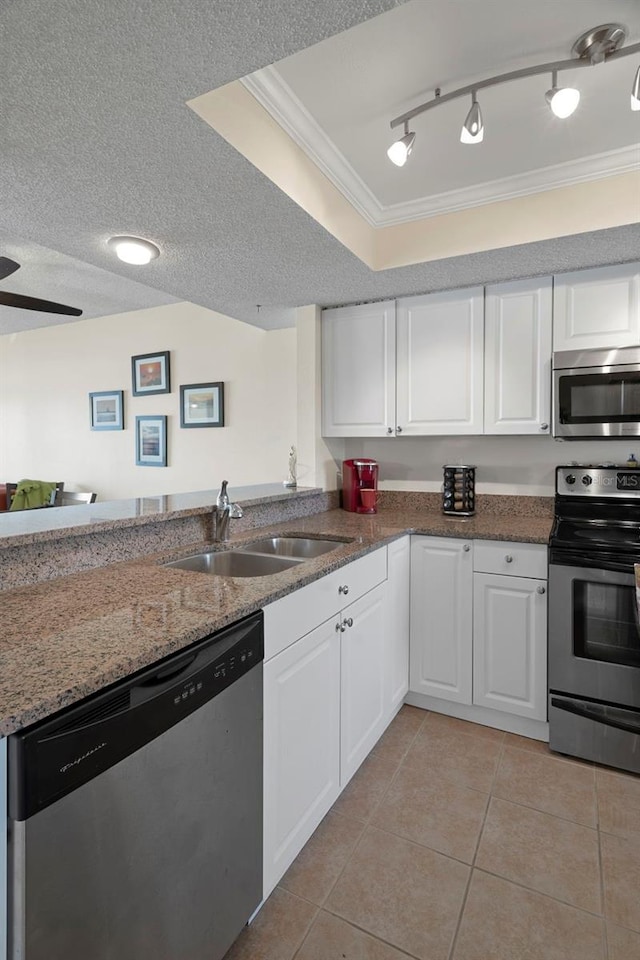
[
  {"x": 36, "y": 526},
  {"x": 67, "y": 638}
]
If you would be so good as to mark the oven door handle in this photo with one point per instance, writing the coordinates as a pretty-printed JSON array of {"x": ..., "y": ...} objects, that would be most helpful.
[{"x": 610, "y": 716}]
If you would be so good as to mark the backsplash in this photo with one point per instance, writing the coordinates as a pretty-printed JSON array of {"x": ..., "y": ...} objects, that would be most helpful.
[
  {"x": 511, "y": 465},
  {"x": 486, "y": 504}
]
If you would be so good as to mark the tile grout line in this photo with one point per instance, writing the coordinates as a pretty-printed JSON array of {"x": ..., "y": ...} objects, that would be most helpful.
[
  {"x": 367, "y": 823},
  {"x": 605, "y": 936},
  {"x": 351, "y": 923},
  {"x": 475, "y": 853}
]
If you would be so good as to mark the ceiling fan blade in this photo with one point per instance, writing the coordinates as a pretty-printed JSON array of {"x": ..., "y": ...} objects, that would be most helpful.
[
  {"x": 31, "y": 303},
  {"x": 7, "y": 267}
]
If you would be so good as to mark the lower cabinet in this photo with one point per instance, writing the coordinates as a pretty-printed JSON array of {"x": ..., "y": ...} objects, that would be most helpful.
[
  {"x": 479, "y": 624},
  {"x": 301, "y": 744},
  {"x": 363, "y": 712},
  {"x": 441, "y": 618},
  {"x": 509, "y": 644},
  {"x": 327, "y": 696}
]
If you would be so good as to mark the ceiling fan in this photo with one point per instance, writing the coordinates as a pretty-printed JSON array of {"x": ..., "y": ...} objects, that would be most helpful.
[{"x": 7, "y": 267}]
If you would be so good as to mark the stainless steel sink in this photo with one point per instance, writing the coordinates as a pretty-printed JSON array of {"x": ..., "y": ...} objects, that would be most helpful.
[
  {"x": 304, "y": 548},
  {"x": 234, "y": 563}
]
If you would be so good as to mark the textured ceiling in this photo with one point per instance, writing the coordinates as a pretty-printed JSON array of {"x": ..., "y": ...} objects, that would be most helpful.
[
  {"x": 50, "y": 275},
  {"x": 97, "y": 140}
]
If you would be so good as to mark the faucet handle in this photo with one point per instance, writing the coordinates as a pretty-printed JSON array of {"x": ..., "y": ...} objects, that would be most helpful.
[
  {"x": 235, "y": 511},
  {"x": 223, "y": 496}
]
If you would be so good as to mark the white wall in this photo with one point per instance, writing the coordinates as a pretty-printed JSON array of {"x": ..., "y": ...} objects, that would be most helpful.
[
  {"x": 525, "y": 463},
  {"x": 47, "y": 374}
]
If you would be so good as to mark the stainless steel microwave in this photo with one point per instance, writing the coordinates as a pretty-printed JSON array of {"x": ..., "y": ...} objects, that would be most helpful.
[{"x": 596, "y": 394}]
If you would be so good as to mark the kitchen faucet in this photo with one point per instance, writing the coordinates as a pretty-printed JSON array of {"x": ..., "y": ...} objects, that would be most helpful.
[{"x": 224, "y": 512}]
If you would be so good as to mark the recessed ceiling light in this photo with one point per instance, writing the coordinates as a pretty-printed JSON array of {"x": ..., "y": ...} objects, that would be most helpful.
[{"x": 134, "y": 250}]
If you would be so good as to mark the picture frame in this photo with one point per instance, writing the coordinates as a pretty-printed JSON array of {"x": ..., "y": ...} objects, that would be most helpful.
[
  {"x": 202, "y": 404},
  {"x": 150, "y": 374},
  {"x": 106, "y": 409},
  {"x": 151, "y": 441}
]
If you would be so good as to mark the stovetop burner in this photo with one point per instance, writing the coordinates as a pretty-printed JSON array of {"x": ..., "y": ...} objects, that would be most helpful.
[{"x": 597, "y": 513}]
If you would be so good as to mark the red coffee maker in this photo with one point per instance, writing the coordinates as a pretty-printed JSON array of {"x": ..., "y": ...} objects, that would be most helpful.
[{"x": 357, "y": 476}]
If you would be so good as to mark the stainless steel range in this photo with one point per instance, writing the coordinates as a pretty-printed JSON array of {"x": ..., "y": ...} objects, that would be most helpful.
[{"x": 594, "y": 642}]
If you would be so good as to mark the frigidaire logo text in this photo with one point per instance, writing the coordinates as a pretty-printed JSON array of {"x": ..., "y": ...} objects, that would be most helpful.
[{"x": 85, "y": 756}]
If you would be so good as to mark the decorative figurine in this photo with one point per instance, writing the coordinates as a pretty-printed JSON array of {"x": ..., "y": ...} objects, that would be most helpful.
[{"x": 293, "y": 460}]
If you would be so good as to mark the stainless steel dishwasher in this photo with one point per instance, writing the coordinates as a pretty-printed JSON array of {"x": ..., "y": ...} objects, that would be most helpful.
[{"x": 135, "y": 817}]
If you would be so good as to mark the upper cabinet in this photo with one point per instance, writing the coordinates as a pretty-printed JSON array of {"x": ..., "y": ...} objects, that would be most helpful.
[
  {"x": 518, "y": 321},
  {"x": 359, "y": 370},
  {"x": 597, "y": 308},
  {"x": 440, "y": 363}
]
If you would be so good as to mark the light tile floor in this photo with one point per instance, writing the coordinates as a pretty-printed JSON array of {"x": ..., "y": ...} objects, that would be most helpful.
[{"x": 459, "y": 842}]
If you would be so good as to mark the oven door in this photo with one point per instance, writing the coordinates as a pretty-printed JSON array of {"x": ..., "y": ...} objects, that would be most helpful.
[
  {"x": 596, "y": 402},
  {"x": 594, "y": 642}
]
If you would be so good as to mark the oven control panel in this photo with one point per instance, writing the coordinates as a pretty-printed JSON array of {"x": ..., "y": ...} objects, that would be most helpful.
[{"x": 598, "y": 481}]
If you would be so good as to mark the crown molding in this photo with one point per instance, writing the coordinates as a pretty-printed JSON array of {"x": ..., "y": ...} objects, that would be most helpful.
[
  {"x": 278, "y": 99},
  {"x": 271, "y": 91}
]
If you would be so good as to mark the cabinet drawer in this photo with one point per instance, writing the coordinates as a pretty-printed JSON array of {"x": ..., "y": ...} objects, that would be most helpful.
[
  {"x": 512, "y": 559},
  {"x": 291, "y": 617}
]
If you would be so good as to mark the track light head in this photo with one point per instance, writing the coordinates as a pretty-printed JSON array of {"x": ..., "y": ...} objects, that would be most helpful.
[
  {"x": 473, "y": 128},
  {"x": 563, "y": 101},
  {"x": 635, "y": 92},
  {"x": 399, "y": 151}
]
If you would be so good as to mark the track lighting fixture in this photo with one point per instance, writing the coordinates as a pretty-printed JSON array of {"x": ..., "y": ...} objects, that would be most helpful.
[
  {"x": 399, "y": 151},
  {"x": 473, "y": 129},
  {"x": 563, "y": 101},
  {"x": 598, "y": 45},
  {"x": 635, "y": 92}
]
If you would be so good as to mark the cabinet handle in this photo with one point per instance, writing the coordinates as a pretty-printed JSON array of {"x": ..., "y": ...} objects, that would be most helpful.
[
  {"x": 389, "y": 430},
  {"x": 339, "y": 628},
  {"x": 343, "y": 589},
  {"x": 541, "y": 589},
  {"x": 509, "y": 558},
  {"x": 544, "y": 426},
  {"x": 347, "y": 622},
  {"x": 466, "y": 548},
  {"x": 398, "y": 429}
]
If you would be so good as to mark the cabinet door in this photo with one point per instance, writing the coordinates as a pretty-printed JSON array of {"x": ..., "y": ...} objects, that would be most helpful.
[
  {"x": 397, "y": 624},
  {"x": 440, "y": 363},
  {"x": 359, "y": 370},
  {"x": 597, "y": 308},
  {"x": 517, "y": 372},
  {"x": 510, "y": 644},
  {"x": 301, "y": 745},
  {"x": 362, "y": 716},
  {"x": 441, "y": 618}
]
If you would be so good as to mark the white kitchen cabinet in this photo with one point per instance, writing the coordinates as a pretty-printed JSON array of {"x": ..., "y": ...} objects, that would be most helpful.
[
  {"x": 359, "y": 370},
  {"x": 510, "y": 627},
  {"x": 597, "y": 308},
  {"x": 397, "y": 624},
  {"x": 324, "y": 699},
  {"x": 441, "y": 651},
  {"x": 440, "y": 363},
  {"x": 363, "y": 714},
  {"x": 510, "y": 644},
  {"x": 518, "y": 334},
  {"x": 301, "y": 744}
]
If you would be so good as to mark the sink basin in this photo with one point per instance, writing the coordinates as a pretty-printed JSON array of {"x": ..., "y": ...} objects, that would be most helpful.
[
  {"x": 234, "y": 563},
  {"x": 302, "y": 547}
]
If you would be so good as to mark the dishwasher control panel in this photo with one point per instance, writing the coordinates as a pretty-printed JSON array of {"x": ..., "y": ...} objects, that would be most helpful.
[{"x": 59, "y": 754}]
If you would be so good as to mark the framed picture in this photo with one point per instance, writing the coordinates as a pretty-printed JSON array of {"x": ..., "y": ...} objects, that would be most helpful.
[
  {"x": 151, "y": 441},
  {"x": 107, "y": 410},
  {"x": 202, "y": 405},
  {"x": 150, "y": 374}
]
